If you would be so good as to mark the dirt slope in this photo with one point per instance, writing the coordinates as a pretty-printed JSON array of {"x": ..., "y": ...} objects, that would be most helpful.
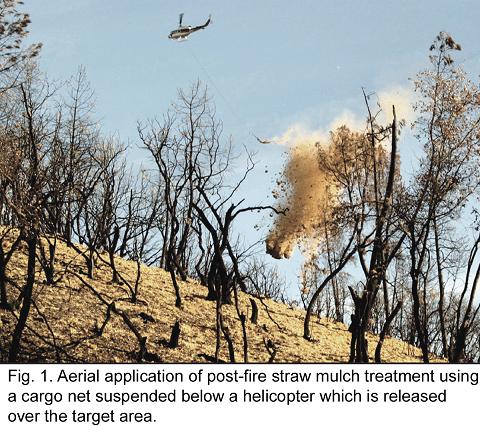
[{"x": 68, "y": 314}]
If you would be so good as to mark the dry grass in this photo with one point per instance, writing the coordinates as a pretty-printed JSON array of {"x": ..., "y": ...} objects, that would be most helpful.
[{"x": 73, "y": 312}]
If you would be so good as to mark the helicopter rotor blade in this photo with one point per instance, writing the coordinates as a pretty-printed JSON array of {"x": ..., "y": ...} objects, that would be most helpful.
[{"x": 180, "y": 19}]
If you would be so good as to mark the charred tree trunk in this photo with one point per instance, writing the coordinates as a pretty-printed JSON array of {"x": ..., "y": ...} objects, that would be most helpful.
[
  {"x": 416, "y": 301},
  {"x": 218, "y": 280},
  {"x": 90, "y": 261},
  {"x": 111, "y": 253},
  {"x": 48, "y": 259},
  {"x": 27, "y": 299},
  {"x": 353, "y": 341},
  {"x": 271, "y": 349},
  {"x": 358, "y": 328},
  {"x": 254, "y": 316},
  {"x": 385, "y": 331},
  {"x": 178, "y": 298},
  {"x": 228, "y": 338},
  {"x": 175, "y": 336},
  {"x": 50, "y": 270},
  {"x": 243, "y": 321},
  {"x": 441, "y": 284},
  {"x": 458, "y": 354}
]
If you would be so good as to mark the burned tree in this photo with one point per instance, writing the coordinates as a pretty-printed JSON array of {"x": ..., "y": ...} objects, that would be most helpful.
[
  {"x": 224, "y": 277},
  {"x": 94, "y": 218},
  {"x": 384, "y": 247},
  {"x": 34, "y": 132},
  {"x": 187, "y": 153},
  {"x": 14, "y": 28},
  {"x": 447, "y": 127}
]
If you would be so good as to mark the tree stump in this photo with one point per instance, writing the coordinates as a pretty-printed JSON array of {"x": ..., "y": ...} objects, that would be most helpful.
[
  {"x": 174, "y": 337},
  {"x": 254, "y": 316}
]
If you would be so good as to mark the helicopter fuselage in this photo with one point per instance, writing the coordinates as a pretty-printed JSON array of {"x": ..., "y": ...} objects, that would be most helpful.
[{"x": 181, "y": 33}]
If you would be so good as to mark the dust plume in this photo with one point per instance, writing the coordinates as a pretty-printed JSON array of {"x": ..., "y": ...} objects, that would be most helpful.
[{"x": 304, "y": 188}]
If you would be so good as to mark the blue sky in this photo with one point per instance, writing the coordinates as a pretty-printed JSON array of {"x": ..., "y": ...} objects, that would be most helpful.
[{"x": 272, "y": 64}]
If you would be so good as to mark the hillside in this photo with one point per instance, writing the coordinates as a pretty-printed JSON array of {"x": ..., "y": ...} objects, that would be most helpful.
[{"x": 67, "y": 314}]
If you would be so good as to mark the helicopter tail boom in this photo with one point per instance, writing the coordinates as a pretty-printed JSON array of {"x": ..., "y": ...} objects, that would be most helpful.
[{"x": 205, "y": 25}]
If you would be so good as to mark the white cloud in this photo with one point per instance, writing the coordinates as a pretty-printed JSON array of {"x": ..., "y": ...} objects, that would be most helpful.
[{"x": 400, "y": 96}]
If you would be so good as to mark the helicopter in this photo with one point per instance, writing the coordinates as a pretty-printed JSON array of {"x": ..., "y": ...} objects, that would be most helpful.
[{"x": 182, "y": 32}]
